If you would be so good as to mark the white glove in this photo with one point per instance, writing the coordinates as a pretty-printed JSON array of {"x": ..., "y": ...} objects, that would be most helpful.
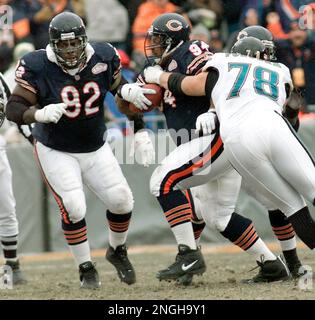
[
  {"x": 133, "y": 93},
  {"x": 50, "y": 113},
  {"x": 206, "y": 122},
  {"x": 142, "y": 148},
  {"x": 152, "y": 74}
]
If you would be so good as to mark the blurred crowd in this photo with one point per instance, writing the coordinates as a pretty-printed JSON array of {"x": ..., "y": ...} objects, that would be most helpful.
[{"x": 124, "y": 24}]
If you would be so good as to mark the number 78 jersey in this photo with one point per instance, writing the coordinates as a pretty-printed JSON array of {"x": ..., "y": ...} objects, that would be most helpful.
[{"x": 247, "y": 85}]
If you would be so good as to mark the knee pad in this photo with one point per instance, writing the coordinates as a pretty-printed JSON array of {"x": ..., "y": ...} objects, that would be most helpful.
[
  {"x": 8, "y": 224},
  {"x": 221, "y": 222},
  {"x": 75, "y": 205},
  {"x": 120, "y": 199}
]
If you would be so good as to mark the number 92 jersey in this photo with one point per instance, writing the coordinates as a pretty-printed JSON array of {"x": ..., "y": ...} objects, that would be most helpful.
[
  {"x": 82, "y": 128},
  {"x": 247, "y": 85}
]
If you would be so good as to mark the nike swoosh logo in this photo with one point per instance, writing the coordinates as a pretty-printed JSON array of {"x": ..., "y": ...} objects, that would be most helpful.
[
  {"x": 185, "y": 268},
  {"x": 122, "y": 275}
]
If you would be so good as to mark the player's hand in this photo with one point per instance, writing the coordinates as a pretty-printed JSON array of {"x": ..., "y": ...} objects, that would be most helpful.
[
  {"x": 206, "y": 122},
  {"x": 142, "y": 148},
  {"x": 152, "y": 74},
  {"x": 132, "y": 92},
  {"x": 50, "y": 113}
]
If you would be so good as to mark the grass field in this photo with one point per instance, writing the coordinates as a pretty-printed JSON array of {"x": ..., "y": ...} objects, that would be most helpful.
[{"x": 54, "y": 276}]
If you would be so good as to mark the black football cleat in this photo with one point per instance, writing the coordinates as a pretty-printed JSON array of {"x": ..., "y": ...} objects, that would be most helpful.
[
  {"x": 119, "y": 259},
  {"x": 270, "y": 271},
  {"x": 89, "y": 276},
  {"x": 17, "y": 275},
  {"x": 188, "y": 262}
]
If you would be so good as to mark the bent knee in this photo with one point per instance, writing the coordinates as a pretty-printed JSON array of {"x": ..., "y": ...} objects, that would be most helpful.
[
  {"x": 220, "y": 223},
  {"x": 74, "y": 204},
  {"x": 120, "y": 199}
]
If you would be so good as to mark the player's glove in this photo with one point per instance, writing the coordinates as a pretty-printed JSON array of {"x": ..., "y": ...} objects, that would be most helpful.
[
  {"x": 132, "y": 92},
  {"x": 206, "y": 122},
  {"x": 50, "y": 113},
  {"x": 152, "y": 74},
  {"x": 142, "y": 148}
]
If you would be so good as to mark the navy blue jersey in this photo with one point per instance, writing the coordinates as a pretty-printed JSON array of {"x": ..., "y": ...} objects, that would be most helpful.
[
  {"x": 181, "y": 111},
  {"x": 82, "y": 128}
]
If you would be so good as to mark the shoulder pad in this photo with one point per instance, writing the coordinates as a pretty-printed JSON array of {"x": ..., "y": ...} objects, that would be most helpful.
[
  {"x": 34, "y": 61},
  {"x": 214, "y": 61},
  {"x": 104, "y": 51}
]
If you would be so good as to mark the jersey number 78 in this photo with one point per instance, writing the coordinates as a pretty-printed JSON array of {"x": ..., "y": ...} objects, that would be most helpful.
[{"x": 265, "y": 81}]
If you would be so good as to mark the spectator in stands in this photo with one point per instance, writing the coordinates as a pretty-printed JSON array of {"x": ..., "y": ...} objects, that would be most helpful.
[
  {"x": 298, "y": 53},
  {"x": 250, "y": 19},
  {"x": 21, "y": 26},
  {"x": 78, "y": 7},
  {"x": 200, "y": 32},
  {"x": 209, "y": 12},
  {"x": 147, "y": 12},
  {"x": 290, "y": 11},
  {"x": 231, "y": 12},
  {"x": 19, "y": 51},
  {"x": 40, "y": 13},
  {"x": 107, "y": 23},
  {"x": 132, "y": 8},
  {"x": 19, "y": 31},
  {"x": 275, "y": 27}
]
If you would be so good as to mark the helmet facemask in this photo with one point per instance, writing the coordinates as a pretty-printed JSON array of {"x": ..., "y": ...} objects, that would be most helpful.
[
  {"x": 159, "y": 46},
  {"x": 70, "y": 53},
  {"x": 270, "y": 50}
]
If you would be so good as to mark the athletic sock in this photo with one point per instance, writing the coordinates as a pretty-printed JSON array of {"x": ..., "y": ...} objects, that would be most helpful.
[
  {"x": 304, "y": 226},
  {"x": 283, "y": 230},
  {"x": 177, "y": 210},
  {"x": 118, "y": 228},
  {"x": 241, "y": 232},
  {"x": 198, "y": 227},
  {"x": 9, "y": 247},
  {"x": 76, "y": 236},
  {"x": 198, "y": 223}
]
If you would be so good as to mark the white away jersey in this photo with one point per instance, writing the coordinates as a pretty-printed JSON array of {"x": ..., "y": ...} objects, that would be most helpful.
[{"x": 247, "y": 85}]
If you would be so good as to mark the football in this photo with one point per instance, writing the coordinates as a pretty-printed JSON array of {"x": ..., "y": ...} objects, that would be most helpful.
[{"x": 155, "y": 98}]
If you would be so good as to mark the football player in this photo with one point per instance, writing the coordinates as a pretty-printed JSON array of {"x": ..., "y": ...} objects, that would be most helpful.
[
  {"x": 61, "y": 89},
  {"x": 249, "y": 92},
  {"x": 169, "y": 46},
  {"x": 9, "y": 228}
]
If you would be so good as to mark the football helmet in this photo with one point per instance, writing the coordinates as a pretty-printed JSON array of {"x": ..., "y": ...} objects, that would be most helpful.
[
  {"x": 167, "y": 32},
  {"x": 251, "y": 47},
  {"x": 262, "y": 34},
  {"x": 67, "y": 38}
]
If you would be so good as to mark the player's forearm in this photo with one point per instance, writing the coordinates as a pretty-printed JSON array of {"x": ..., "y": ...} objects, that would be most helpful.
[
  {"x": 181, "y": 84},
  {"x": 16, "y": 108},
  {"x": 29, "y": 115},
  {"x": 164, "y": 79},
  {"x": 123, "y": 106},
  {"x": 136, "y": 119}
]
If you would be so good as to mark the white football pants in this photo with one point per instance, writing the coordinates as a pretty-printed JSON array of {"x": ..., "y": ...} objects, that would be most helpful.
[{"x": 65, "y": 174}]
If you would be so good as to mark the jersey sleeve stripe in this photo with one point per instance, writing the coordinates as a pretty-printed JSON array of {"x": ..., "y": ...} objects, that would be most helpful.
[
  {"x": 25, "y": 85},
  {"x": 197, "y": 61},
  {"x": 140, "y": 79}
]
